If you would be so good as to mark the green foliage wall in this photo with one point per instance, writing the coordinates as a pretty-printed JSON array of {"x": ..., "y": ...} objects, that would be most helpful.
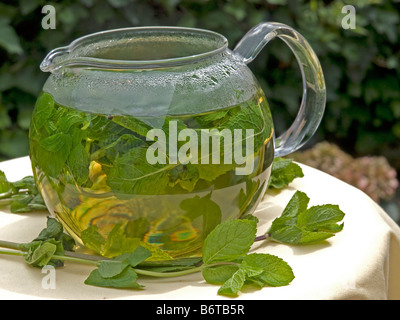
[{"x": 361, "y": 65}]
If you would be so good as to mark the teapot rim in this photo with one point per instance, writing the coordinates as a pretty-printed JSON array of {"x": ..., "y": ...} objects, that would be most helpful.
[{"x": 62, "y": 56}]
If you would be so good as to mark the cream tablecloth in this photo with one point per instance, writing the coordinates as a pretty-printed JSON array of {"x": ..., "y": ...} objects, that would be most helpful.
[{"x": 360, "y": 262}]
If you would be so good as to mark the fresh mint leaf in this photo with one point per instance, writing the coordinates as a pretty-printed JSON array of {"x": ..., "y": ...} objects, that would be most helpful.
[
  {"x": 202, "y": 207},
  {"x": 210, "y": 172},
  {"x": 57, "y": 142},
  {"x": 27, "y": 203},
  {"x": 274, "y": 271},
  {"x": 22, "y": 195},
  {"x": 133, "y": 124},
  {"x": 210, "y": 120},
  {"x": 55, "y": 230},
  {"x": 92, "y": 239},
  {"x": 5, "y": 185},
  {"x": 184, "y": 175},
  {"x": 321, "y": 218},
  {"x": 126, "y": 279},
  {"x": 284, "y": 171},
  {"x": 229, "y": 241},
  {"x": 132, "y": 174},
  {"x": 156, "y": 252},
  {"x": 118, "y": 243},
  {"x": 234, "y": 284},
  {"x": 299, "y": 225},
  {"x": 252, "y": 117},
  {"x": 136, "y": 257},
  {"x": 219, "y": 274},
  {"x": 258, "y": 268},
  {"x": 111, "y": 268},
  {"x": 118, "y": 272},
  {"x": 40, "y": 253},
  {"x": 298, "y": 203},
  {"x": 137, "y": 228},
  {"x": 78, "y": 163},
  {"x": 44, "y": 110},
  {"x": 115, "y": 145}
]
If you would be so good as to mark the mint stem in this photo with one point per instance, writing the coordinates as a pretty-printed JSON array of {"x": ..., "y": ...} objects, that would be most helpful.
[
  {"x": 167, "y": 274},
  {"x": 260, "y": 238},
  {"x": 12, "y": 252},
  {"x": 95, "y": 261},
  {"x": 78, "y": 260},
  {"x": 10, "y": 245}
]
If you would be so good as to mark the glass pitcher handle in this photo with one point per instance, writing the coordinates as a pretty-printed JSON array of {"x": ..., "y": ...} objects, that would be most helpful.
[{"x": 314, "y": 94}]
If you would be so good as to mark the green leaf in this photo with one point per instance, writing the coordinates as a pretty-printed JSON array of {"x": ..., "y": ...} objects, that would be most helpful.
[
  {"x": 156, "y": 252},
  {"x": 274, "y": 271},
  {"x": 261, "y": 269},
  {"x": 8, "y": 38},
  {"x": 118, "y": 272},
  {"x": 118, "y": 243},
  {"x": 233, "y": 285},
  {"x": 296, "y": 235},
  {"x": 250, "y": 117},
  {"x": 92, "y": 239},
  {"x": 132, "y": 174},
  {"x": 298, "y": 203},
  {"x": 322, "y": 218},
  {"x": 5, "y": 185},
  {"x": 184, "y": 175},
  {"x": 57, "y": 142},
  {"x": 229, "y": 241},
  {"x": 112, "y": 146},
  {"x": 202, "y": 207},
  {"x": 111, "y": 268},
  {"x": 208, "y": 120},
  {"x": 284, "y": 171},
  {"x": 137, "y": 228},
  {"x": 27, "y": 183},
  {"x": 44, "y": 109},
  {"x": 54, "y": 230},
  {"x": 219, "y": 274},
  {"x": 136, "y": 257},
  {"x": 23, "y": 195},
  {"x": 40, "y": 253},
  {"x": 210, "y": 172},
  {"x": 299, "y": 225},
  {"x": 133, "y": 124},
  {"x": 126, "y": 279},
  {"x": 78, "y": 163},
  {"x": 54, "y": 153}
]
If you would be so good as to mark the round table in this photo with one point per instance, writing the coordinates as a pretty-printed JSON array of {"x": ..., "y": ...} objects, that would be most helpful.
[{"x": 360, "y": 262}]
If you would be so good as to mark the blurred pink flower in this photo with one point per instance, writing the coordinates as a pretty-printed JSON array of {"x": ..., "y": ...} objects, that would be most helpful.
[{"x": 371, "y": 174}]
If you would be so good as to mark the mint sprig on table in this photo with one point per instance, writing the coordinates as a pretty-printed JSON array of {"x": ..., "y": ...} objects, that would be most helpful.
[
  {"x": 283, "y": 172},
  {"x": 22, "y": 195},
  {"x": 299, "y": 225},
  {"x": 225, "y": 261}
]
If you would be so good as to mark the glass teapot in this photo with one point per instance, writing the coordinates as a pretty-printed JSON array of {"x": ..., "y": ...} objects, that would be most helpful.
[{"x": 152, "y": 136}]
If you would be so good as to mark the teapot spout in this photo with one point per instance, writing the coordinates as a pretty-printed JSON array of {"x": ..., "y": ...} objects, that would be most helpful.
[{"x": 49, "y": 64}]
